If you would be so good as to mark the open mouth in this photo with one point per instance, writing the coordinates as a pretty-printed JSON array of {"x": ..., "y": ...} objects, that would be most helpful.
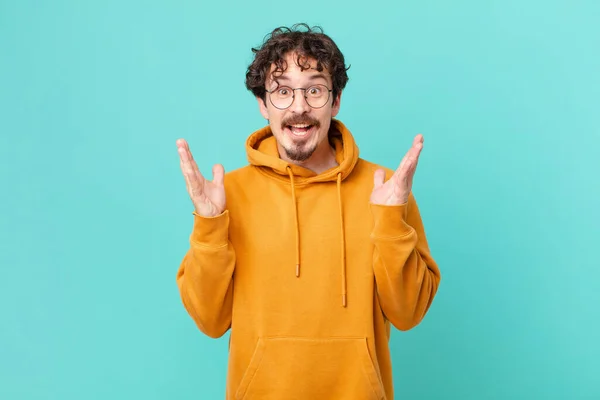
[{"x": 300, "y": 129}]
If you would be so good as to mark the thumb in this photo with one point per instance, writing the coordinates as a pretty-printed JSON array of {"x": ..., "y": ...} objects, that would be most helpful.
[
  {"x": 378, "y": 178},
  {"x": 218, "y": 174}
]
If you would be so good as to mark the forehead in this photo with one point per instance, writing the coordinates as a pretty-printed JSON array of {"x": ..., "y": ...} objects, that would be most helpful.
[{"x": 298, "y": 69}]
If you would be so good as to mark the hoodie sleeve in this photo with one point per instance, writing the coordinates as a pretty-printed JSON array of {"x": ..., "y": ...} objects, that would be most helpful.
[
  {"x": 205, "y": 276},
  {"x": 406, "y": 275}
]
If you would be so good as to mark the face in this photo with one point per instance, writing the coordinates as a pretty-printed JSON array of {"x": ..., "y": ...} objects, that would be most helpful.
[{"x": 300, "y": 130}]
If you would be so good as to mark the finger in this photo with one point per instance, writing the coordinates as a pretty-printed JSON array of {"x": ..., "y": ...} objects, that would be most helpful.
[
  {"x": 187, "y": 157},
  {"x": 417, "y": 149},
  {"x": 409, "y": 165},
  {"x": 186, "y": 177},
  {"x": 193, "y": 178},
  {"x": 418, "y": 139},
  {"x": 378, "y": 178},
  {"x": 187, "y": 171},
  {"x": 417, "y": 146},
  {"x": 186, "y": 161},
  {"x": 403, "y": 170},
  {"x": 403, "y": 164},
  {"x": 411, "y": 157},
  {"x": 218, "y": 174},
  {"x": 193, "y": 164},
  {"x": 181, "y": 143},
  {"x": 184, "y": 149},
  {"x": 413, "y": 160}
]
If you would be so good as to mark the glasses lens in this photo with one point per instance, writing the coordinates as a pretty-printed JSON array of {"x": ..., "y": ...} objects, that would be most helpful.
[
  {"x": 317, "y": 96},
  {"x": 282, "y": 97}
]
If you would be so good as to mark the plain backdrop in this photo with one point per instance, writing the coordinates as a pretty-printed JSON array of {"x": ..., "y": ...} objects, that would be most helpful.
[{"x": 95, "y": 218}]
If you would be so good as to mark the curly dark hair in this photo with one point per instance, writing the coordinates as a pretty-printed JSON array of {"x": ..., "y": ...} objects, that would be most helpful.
[{"x": 306, "y": 42}]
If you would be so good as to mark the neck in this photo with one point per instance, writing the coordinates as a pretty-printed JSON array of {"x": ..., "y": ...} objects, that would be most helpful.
[{"x": 320, "y": 161}]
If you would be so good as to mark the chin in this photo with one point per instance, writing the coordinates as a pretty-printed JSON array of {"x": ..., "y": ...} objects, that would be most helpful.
[{"x": 299, "y": 155}]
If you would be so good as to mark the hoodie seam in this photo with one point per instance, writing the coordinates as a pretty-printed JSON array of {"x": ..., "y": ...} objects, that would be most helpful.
[
  {"x": 396, "y": 237},
  {"x": 314, "y": 338},
  {"x": 285, "y": 179},
  {"x": 209, "y": 246}
]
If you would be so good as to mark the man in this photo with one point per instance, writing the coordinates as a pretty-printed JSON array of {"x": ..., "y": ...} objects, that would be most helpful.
[{"x": 309, "y": 253}]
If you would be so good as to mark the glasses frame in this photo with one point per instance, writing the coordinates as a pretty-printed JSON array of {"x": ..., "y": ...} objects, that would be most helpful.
[{"x": 294, "y": 96}]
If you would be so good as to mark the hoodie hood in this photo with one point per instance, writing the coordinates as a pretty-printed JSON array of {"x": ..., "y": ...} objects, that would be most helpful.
[{"x": 261, "y": 148}]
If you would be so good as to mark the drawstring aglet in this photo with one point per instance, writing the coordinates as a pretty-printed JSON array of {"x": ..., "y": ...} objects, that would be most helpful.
[
  {"x": 297, "y": 270},
  {"x": 344, "y": 300}
]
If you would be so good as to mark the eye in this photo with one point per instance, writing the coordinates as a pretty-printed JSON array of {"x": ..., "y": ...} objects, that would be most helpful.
[
  {"x": 283, "y": 91},
  {"x": 314, "y": 90}
]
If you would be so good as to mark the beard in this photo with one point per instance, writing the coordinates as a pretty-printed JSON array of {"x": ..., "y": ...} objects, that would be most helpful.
[{"x": 300, "y": 150}]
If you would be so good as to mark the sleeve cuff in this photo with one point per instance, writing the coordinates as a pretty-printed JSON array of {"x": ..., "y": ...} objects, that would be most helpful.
[
  {"x": 211, "y": 231},
  {"x": 390, "y": 221}
]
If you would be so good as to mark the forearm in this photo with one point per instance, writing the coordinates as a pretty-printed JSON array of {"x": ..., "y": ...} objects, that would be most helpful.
[
  {"x": 406, "y": 275},
  {"x": 205, "y": 275}
]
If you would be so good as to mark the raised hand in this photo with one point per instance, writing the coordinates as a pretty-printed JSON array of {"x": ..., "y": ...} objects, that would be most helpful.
[
  {"x": 207, "y": 196},
  {"x": 397, "y": 189}
]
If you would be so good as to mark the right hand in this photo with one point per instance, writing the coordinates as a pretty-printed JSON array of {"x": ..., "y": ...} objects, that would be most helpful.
[{"x": 208, "y": 197}]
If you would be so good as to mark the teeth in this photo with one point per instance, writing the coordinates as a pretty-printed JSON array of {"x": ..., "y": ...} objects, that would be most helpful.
[{"x": 300, "y": 129}]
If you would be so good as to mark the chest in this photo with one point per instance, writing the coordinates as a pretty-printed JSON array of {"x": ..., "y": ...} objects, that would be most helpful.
[{"x": 316, "y": 218}]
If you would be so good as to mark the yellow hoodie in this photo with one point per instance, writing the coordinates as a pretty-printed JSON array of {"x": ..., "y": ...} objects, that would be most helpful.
[{"x": 308, "y": 275}]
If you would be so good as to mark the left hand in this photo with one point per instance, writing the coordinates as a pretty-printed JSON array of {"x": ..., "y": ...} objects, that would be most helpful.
[{"x": 397, "y": 189}]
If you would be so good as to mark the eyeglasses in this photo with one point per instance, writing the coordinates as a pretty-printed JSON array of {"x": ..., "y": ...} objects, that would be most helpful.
[{"x": 316, "y": 96}]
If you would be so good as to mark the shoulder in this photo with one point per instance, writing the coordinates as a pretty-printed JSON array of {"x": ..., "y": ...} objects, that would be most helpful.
[{"x": 238, "y": 175}]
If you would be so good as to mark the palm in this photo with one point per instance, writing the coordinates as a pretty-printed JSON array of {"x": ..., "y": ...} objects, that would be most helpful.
[
  {"x": 390, "y": 193},
  {"x": 208, "y": 197},
  {"x": 397, "y": 189}
]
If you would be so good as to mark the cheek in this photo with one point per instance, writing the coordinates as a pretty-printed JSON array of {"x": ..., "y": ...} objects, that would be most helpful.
[
  {"x": 275, "y": 115},
  {"x": 325, "y": 114},
  {"x": 325, "y": 118}
]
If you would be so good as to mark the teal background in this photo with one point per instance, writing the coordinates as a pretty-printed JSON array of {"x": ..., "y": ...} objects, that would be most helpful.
[{"x": 95, "y": 216}]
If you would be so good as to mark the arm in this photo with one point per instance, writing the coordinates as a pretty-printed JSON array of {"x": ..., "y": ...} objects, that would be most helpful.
[
  {"x": 406, "y": 275},
  {"x": 205, "y": 275}
]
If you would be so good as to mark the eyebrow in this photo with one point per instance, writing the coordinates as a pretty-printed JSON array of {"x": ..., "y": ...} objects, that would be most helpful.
[
  {"x": 317, "y": 76},
  {"x": 312, "y": 77}
]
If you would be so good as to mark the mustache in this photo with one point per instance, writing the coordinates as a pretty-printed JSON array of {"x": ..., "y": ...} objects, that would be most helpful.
[{"x": 300, "y": 119}]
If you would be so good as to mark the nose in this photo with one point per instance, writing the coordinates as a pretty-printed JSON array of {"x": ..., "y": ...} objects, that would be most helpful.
[{"x": 299, "y": 105}]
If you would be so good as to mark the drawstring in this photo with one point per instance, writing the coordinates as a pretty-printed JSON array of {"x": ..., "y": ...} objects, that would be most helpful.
[
  {"x": 295, "y": 206},
  {"x": 342, "y": 240},
  {"x": 342, "y": 231}
]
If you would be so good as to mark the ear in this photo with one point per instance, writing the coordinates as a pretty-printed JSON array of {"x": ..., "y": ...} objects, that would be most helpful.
[
  {"x": 335, "y": 107},
  {"x": 263, "y": 108}
]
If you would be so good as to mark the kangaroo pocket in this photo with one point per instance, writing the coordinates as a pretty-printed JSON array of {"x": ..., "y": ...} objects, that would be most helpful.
[{"x": 311, "y": 369}]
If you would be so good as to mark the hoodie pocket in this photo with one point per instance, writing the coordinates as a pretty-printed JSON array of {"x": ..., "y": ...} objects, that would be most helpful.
[{"x": 304, "y": 368}]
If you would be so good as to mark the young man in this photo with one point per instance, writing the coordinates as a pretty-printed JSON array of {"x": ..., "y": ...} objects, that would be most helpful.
[{"x": 309, "y": 253}]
